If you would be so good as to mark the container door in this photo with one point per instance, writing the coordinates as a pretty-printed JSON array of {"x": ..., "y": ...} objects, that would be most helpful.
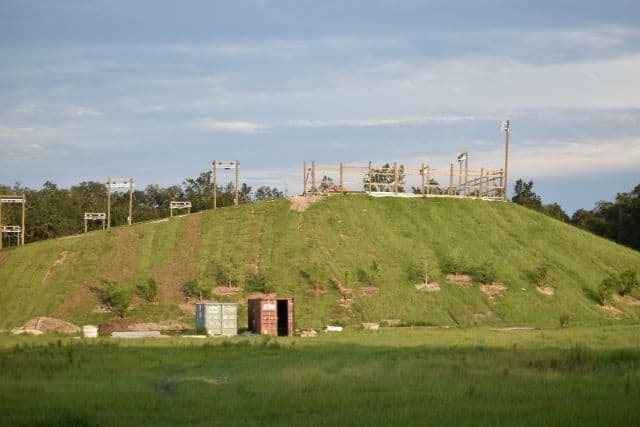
[
  {"x": 214, "y": 319},
  {"x": 291, "y": 318},
  {"x": 269, "y": 318},
  {"x": 229, "y": 319}
]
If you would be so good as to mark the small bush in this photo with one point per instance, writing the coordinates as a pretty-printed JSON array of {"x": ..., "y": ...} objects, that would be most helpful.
[
  {"x": 484, "y": 273},
  {"x": 259, "y": 282},
  {"x": 564, "y": 321},
  {"x": 605, "y": 290},
  {"x": 195, "y": 289},
  {"x": 622, "y": 284},
  {"x": 374, "y": 272},
  {"x": 627, "y": 282},
  {"x": 115, "y": 297},
  {"x": 541, "y": 275},
  {"x": 457, "y": 263},
  {"x": 148, "y": 290}
]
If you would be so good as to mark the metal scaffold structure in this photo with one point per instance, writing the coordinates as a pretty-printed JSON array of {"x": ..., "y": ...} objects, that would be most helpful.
[
  {"x": 15, "y": 230},
  {"x": 177, "y": 204},
  {"x": 116, "y": 184},
  {"x": 225, "y": 165},
  {"x": 94, "y": 216}
]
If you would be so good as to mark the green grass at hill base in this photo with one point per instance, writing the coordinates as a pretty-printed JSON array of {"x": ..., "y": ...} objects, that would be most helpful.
[{"x": 396, "y": 376}]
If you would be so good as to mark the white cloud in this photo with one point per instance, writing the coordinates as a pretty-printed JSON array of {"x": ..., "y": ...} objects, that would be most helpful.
[{"x": 232, "y": 126}]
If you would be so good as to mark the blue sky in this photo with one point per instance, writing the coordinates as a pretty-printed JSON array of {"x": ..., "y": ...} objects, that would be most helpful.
[{"x": 158, "y": 89}]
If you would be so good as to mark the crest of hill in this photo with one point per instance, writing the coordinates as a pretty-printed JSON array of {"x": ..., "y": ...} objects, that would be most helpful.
[{"x": 306, "y": 254}]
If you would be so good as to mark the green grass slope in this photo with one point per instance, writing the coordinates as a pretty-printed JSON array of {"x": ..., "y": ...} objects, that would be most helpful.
[{"x": 58, "y": 277}]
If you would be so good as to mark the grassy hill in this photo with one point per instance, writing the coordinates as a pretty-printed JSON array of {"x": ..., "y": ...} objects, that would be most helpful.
[{"x": 295, "y": 249}]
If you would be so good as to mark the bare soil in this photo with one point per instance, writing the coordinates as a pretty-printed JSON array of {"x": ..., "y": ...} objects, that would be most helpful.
[
  {"x": 260, "y": 295},
  {"x": 615, "y": 312},
  {"x": 369, "y": 291},
  {"x": 315, "y": 292},
  {"x": 392, "y": 322},
  {"x": 227, "y": 290},
  {"x": 459, "y": 279},
  {"x": 486, "y": 315},
  {"x": 546, "y": 290},
  {"x": 49, "y": 324},
  {"x": 345, "y": 302},
  {"x": 627, "y": 299},
  {"x": 301, "y": 203},
  {"x": 493, "y": 289},
  {"x": 428, "y": 287}
]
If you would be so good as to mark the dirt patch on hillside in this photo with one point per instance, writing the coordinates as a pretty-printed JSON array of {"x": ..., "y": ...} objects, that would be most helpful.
[
  {"x": 301, "y": 203},
  {"x": 615, "y": 312},
  {"x": 546, "y": 290},
  {"x": 627, "y": 299},
  {"x": 345, "y": 302},
  {"x": 493, "y": 289},
  {"x": 459, "y": 279},
  {"x": 178, "y": 266},
  {"x": 428, "y": 287},
  {"x": 369, "y": 291},
  {"x": 485, "y": 316},
  {"x": 260, "y": 295},
  {"x": 315, "y": 292},
  {"x": 48, "y": 324},
  {"x": 227, "y": 290}
]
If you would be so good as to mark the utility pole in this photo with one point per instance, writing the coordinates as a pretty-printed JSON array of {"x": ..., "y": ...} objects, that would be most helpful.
[{"x": 506, "y": 129}]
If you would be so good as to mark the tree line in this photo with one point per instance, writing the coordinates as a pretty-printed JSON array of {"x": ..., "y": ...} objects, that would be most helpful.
[
  {"x": 54, "y": 212},
  {"x": 618, "y": 220}
]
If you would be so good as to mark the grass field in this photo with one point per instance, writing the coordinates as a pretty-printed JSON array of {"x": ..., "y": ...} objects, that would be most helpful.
[
  {"x": 338, "y": 235},
  {"x": 396, "y": 376}
]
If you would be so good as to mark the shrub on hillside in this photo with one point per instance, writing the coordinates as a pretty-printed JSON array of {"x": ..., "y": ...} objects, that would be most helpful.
[
  {"x": 457, "y": 263},
  {"x": 115, "y": 297},
  {"x": 259, "y": 282},
  {"x": 148, "y": 290},
  {"x": 484, "y": 273},
  {"x": 541, "y": 275},
  {"x": 374, "y": 272},
  {"x": 622, "y": 284},
  {"x": 196, "y": 289}
]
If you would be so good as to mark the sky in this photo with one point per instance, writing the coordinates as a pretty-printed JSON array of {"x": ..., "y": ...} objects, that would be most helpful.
[{"x": 158, "y": 89}]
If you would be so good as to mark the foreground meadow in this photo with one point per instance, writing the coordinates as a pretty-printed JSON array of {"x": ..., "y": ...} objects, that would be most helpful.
[{"x": 396, "y": 376}]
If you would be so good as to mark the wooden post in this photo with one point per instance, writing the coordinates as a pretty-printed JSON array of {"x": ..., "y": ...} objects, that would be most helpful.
[
  {"x": 314, "y": 190},
  {"x": 109, "y": 202},
  {"x": 341, "y": 179},
  {"x": 215, "y": 183},
  {"x": 370, "y": 177},
  {"x": 422, "y": 180},
  {"x": 451, "y": 181},
  {"x": 395, "y": 177},
  {"x": 304, "y": 179},
  {"x": 130, "y": 219},
  {"x": 237, "y": 201},
  {"x": 500, "y": 184},
  {"x": 428, "y": 181},
  {"x": 481, "y": 178},
  {"x": 1, "y": 234},
  {"x": 85, "y": 225},
  {"x": 24, "y": 215}
]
